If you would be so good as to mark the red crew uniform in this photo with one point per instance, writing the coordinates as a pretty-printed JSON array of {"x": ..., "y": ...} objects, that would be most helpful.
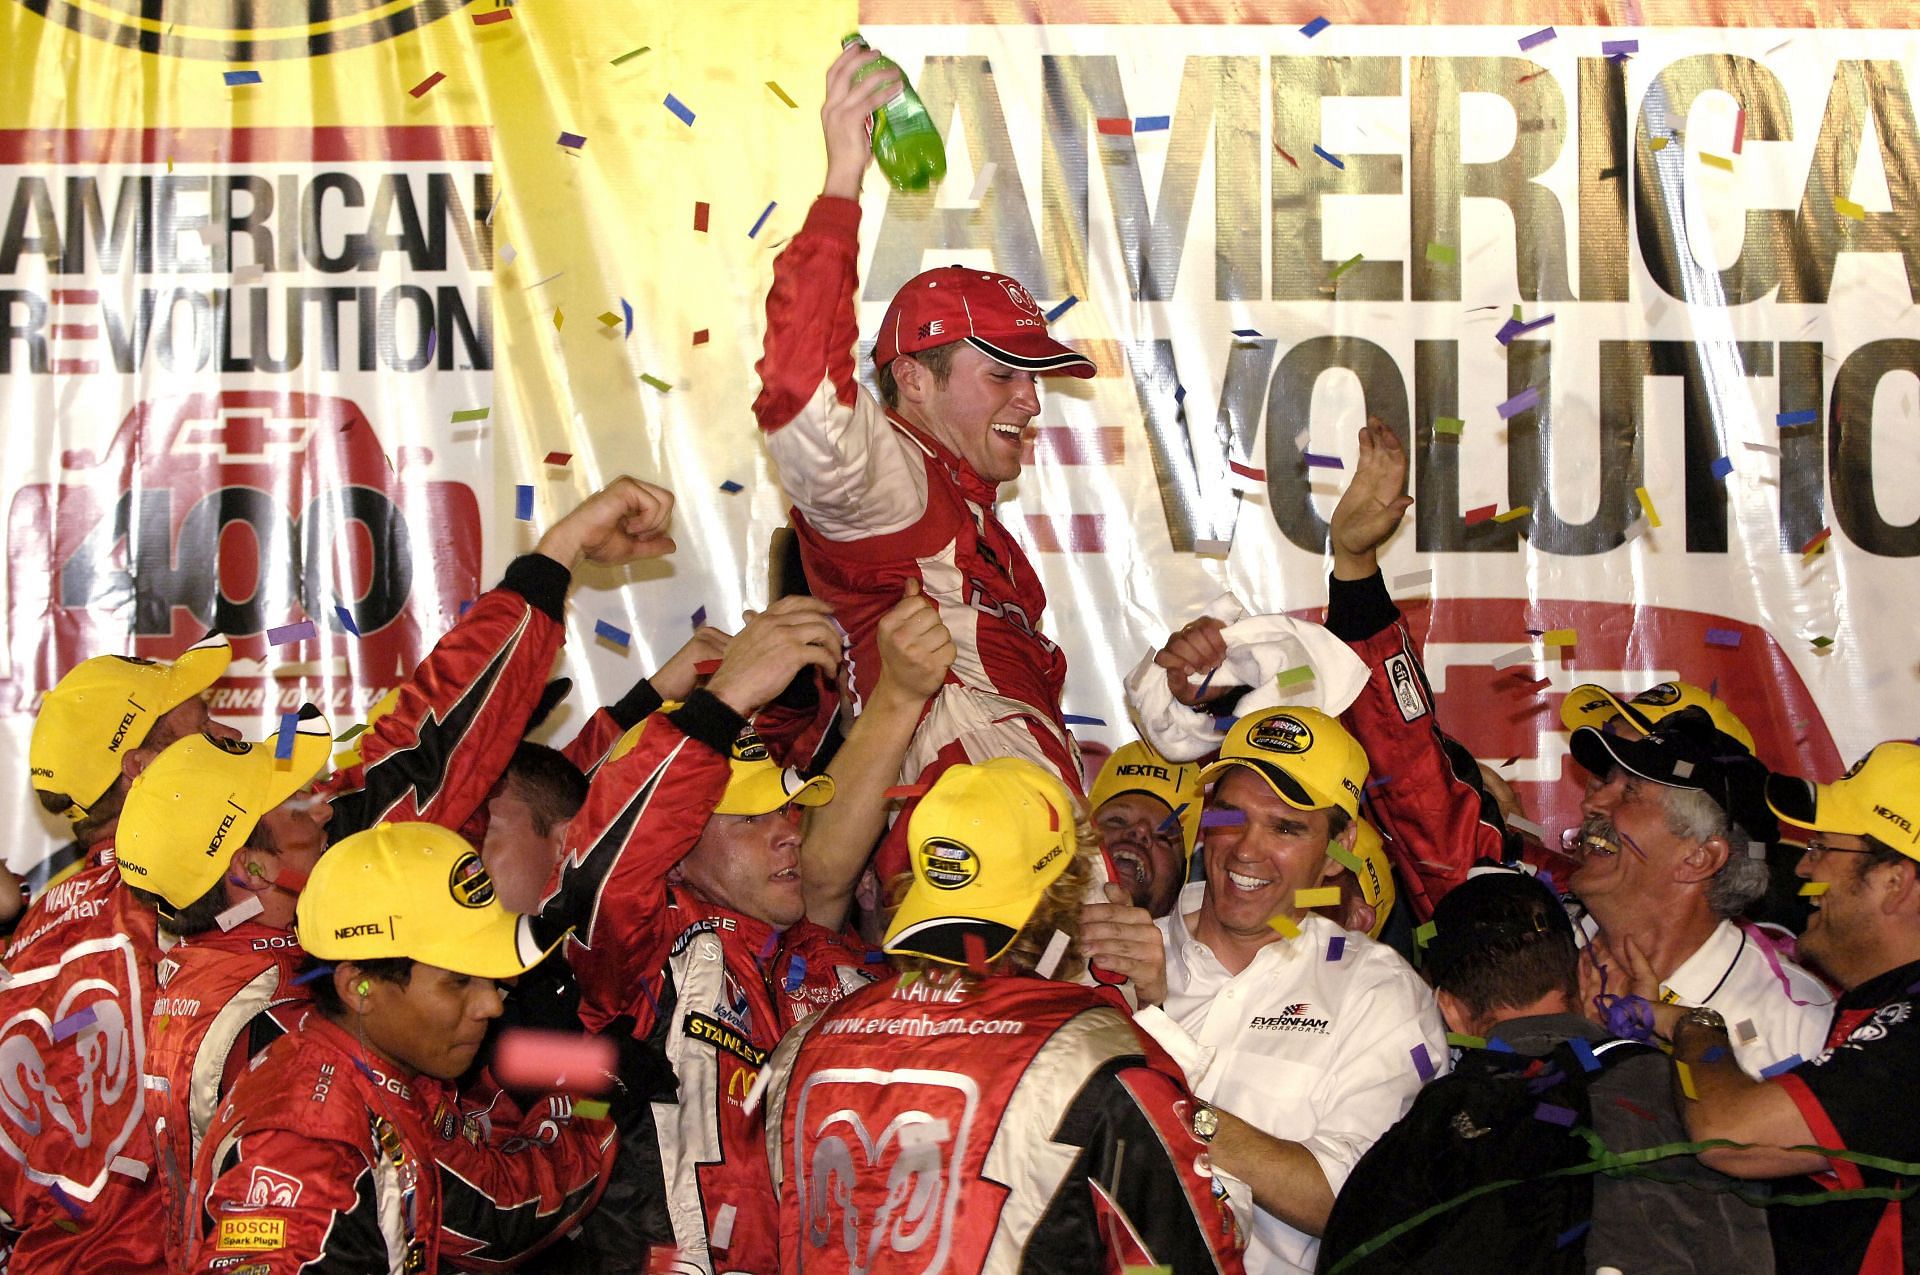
[
  {"x": 321, "y": 1162},
  {"x": 1002, "y": 1125}
]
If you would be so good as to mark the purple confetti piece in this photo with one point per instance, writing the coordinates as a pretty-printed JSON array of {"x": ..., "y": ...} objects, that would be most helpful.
[
  {"x": 78, "y": 1021},
  {"x": 572, "y": 141},
  {"x": 1316, "y": 461},
  {"x": 1180, "y": 393},
  {"x": 292, "y": 633},
  {"x": 699, "y": 617},
  {"x": 1611, "y": 47},
  {"x": 1572, "y": 1233},
  {"x": 1523, "y": 401},
  {"x": 346, "y": 620},
  {"x": 1336, "y": 947},
  {"x": 1222, "y": 818},
  {"x": 1063, "y": 307},
  {"x": 1513, "y": 328},
  {"x": 612, "y": 633},
  {"x": 283, "y": 741},
  {"x": 1335, "y": 160},
  {"x": 314, "y": 975},
  {"x": 1537, "y": 39},
  {"x": 1784, "y": 1065},
  {"x": 1723, "y": 637},
  {"x": 766, "y": 948},
  {"x": 1545, "y": 1080},
  {"x": 1422, "y": 1063},
  {"x": 679, "y": 108},
  {"x": 796, "y": 972},
  {"x": 1315, "y": 27},
  {"x": 1555, "y": 1114},
  {"x": 1809, "y": 417},
  {"x": 64, "y": 1200}
]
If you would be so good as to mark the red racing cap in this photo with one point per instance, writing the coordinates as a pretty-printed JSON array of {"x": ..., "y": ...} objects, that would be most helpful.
[{"x": 991, "y": 312}]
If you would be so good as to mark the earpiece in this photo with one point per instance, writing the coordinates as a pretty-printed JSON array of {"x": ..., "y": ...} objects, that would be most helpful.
[
  {"x": 362, "y": 987},
  {"x": 253, "y": 870}
]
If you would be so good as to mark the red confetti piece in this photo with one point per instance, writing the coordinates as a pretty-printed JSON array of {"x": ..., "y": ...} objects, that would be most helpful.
[
  {"x": 700, "y": 217},
  {"x": 1247, "y": 471},
  {"x": 1283, "y": 155},
  {"x": 1484, "y": 513},
  {"x": 1739, "y": 130},
  {"x": 1116, "y": 127},
  {"x": 488, "y": 19},
  {"x": 706, "y": 668},
  {"x": 421, "y": 89},
  {"x": 976, "y": 950},
  {"x": 1820, "y": 538},
  {"x": 904, "y": 791},
  {"x": 700, "y": 337},
  {"x": 559, "y": 458}
]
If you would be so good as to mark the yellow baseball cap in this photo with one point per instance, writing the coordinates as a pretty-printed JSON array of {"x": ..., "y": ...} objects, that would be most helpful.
[
  {"x": 415, "y": 890},
  {"x": 1136, "y": 767},
  {"x": 199, "y": 802},
  {"x": 758, "y": 785},
  {"x": 1375, "y": 874},
  {"x": 1595, "y": 706},
  {"x": 1879, "y": 798},
  {"x": 985, "y": 842},
  {"x": 1306, "y": 757},
  {"x": 104, "y": 707}
]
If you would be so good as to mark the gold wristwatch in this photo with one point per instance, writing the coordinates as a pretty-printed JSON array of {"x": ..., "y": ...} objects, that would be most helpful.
[{"x": 1206, "y": 1121}]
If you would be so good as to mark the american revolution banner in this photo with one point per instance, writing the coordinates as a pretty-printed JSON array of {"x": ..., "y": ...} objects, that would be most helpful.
[{"x": 312, "y": 317}]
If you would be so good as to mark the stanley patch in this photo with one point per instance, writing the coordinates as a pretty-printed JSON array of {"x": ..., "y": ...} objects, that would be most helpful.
[{"x": 721, "y": 1036}]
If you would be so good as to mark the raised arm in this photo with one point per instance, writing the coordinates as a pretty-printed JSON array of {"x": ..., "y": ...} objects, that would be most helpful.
[{"x": 916, "y": 650}]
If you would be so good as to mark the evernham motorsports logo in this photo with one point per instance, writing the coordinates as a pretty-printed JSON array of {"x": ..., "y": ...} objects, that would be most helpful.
[
  {"x": 243, "y": 30},
  {"x": 1297, "y": 1017}
]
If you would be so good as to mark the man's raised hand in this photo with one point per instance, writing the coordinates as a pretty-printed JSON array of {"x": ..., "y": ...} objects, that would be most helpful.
[
  {"x": 1373, "y": 505},
  {"x": 916, "y": 648},
  {"x": 771, "y": 648},
  {"x": 844, "y": 115},
  {"x": 624, "y": 521},
  {"x": 1194, "y": 651}
]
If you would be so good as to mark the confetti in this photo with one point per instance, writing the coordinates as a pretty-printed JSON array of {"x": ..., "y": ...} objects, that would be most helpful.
[
  {"x": 1425, "y": 934},
  {"x": 60, "y": 1197},
  {"x": 529, "y": 1058},
  {"x": 612, "y": 633},
  {"x": 1152, "y": 123},
  {"x": 1784, "y": 1065},
  {"x": 1216, "y": 548},
  {"x": 1449, "y": 425},
  {"x": 1559, "y": 637},
  {"x": 286, "y": 633},
  {"x": 1074, "y": 719},
  {"x": 1746, "y": 1033},
  {"x": 1335, "y": 160},
  {"x": 1611, "y": 47},
  {"x": 465, "y": 415},
  {"x": 903, "y": 792},
  {"x": 762, "y": 220},
  {"x": 559, "y": 458},
  {"x": 73, "y": 1024},
  {"x": 1818, "y": 542},
  {"x": 608, "y": 319},
  {"x": 1525, "y": 400},
  {"x": 1336, "y": 947},
  {"x": 1519, "y": 655},
  {"x": 722, "y": 1233},
  {"x": 781, "y": 93},
  {"x": 572, "y": 141},
  {"x": 523, "y": 502},
  {"x": 1584, "y": 1052},
  {"x": 423, "y": 87},
  {"x": 1686, "y": 1080},
  {"x": 730, "y": 487},
  {"x": 1814, "y": 889},
  {"x": 1572, "y": 1233},
  {"x": 1347, "y": 265},
  {"x": 1484, "y": 513},
  {"x": 1121, "y": 127},
  {"x": 1316, "y": 461},
  {"x": 1848, "y": 209},
  {"x": 1716, "y": 161},
  {"x": 700, "y": 212},
  {"x": 559, "y": 319},
  {"x": 128, "y": 1167},
  {"x": 283, "y": 740},
  {"x": 1222, "y": 818},
  {"x": 1657, "y": 144},
  {"x": 1315, "y": 27},
  {"x": 1050, "y": 959},
  {"x": 240, "y": 913},
  {"x": 796, "y": 973},
  {"x": 1283, "y": 155},
  {"x": 975, "y": 948},
  {"x": 1062, "y": 308},
  {"x": 351, "y": 733},
  {"x": 1293, "y": 676},
  {"x": 1646, "y": 506},
  {"x": 1822, "y": 643},
  {"x": 346, "y": 620},
  {"x": 1514, "y": 327},
  {"x": 656, "y": 382},
  {"x": 491, "y": 17},
  {"x": 1412, "y": 578},
  {"x": 1422, "y": 1063},
  {"x": 1739, "y": 130},
  {"x": 591, "y": 1109},
  {"x": 507, "y": 254},
  {"x": 1518, "y": 511},
  {"x": 1442, "y": 254},
  {"x": 1521, "y": 824},
  {"x": 1247, "y": 471},
  {"x": 1537, "y": 39},
  {"x": 679, "y": 109},
  {"x": 1247, "y": 333},
  {"x": 1553, "y": 1113},
  {"x": 1327, "y": 896},
  {"x": 1729, "y": 638},
  {"x": 626, "y": 313},
  {"x": 701, "y": 336},
  {"x": 1283, "y": 926},
  {"x": 1722, "y": 466},
  {"x": 631, "y": 54},
  {"x": 699, "y": 616},
  {"x": 236, "y": 78}
]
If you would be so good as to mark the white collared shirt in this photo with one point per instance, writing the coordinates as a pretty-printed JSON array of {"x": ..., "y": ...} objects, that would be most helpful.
[
  {"x": 1309, "y": 1050},
  {"x": 1730, "y": 973}
]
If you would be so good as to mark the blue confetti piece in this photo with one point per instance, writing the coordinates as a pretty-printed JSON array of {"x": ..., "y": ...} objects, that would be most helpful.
[
  {"x": 679, "y": 108},
  {"x": 764, "y": 214},
  {"x": 1335, "y": 160},
  {"x": 1152, "y": 123},
  {"x": 1315, "y": 27},
  {"x": 346, "y": 620},
  {"x": 1722, "y": 467},
  {"x": 1063, "y": 307},
  {"x": 612, "y": 633},
  {"x": 466, "y": 606},
  {"x": 523, "y": 502},
  {"x": 1074, "y": 719},
  {"x": 236, "y": 78},
  {"x": 314, "y": 975},
  {"x": 1179, "y": 394},
  {"x": 572, "y": 141},
  {"x": 875, "y": 957},
  {"x": 1784, "y": 1065},
  {"x": 1809, "y": 417},
  {"x": 626, "y": 313},
  {"x": 796, "y": 973},
  {"x": 1572, "y": 1233},
  {"x": 1584, "y": 1052},
  {"x": 730, "y": 487},
  {"x": 1715, "y": 1054},
  {"x": 283, "y": 742},
  {"x": 1247, "y": 333},
  {"x": 1499, "y": 1046},
  {"x": 1336, "y": 947},
  {"x": 1172, "y": 822}
]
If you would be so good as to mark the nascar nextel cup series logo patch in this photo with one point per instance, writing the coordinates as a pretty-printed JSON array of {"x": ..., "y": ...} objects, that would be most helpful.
[
  {"x": 1281, "y": 734},
  {"x": 947, "y": 865},
  {"x": 243, "y": 30}
]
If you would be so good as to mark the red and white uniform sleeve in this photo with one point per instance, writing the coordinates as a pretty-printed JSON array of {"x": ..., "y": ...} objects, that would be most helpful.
[
  {"x": 843, "y": 464},
  {"x": 461, "y": 714},
  {"x": 1437, "y": 821},
  {"x": 503, "y": 1200},
  {"x": 315, "y": 1210}
]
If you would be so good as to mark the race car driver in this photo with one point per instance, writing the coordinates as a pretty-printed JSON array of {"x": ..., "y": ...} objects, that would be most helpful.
[{"x": 344, "y": 1147}]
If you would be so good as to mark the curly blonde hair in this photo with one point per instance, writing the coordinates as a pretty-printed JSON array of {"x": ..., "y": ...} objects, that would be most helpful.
[{"x": 1058, "y": 909}]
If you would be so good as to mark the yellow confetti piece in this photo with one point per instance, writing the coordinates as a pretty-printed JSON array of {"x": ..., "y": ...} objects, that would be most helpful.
[
  {"x": 1326, "y": 896},
  {"x": 1814, "y": 889},
  {"x": 591, "y": 1109},
  {"x": 559, "y": 320},
  {"x": 1448, "y": 425},
  {"x": 1657, "y": 144},
  {"x": 1716, "y": 161},
  {"x": 1442, "y": 254},
  {"x": 1559, "y": 637},
  {"x": 655, "y": 381},
  {"x": 1518, "y": 511},
  {"x": 1284, "y": 926},
  {"x": 609, "y": 320},
  {"x": 1686, "y": 1080},
  {"x": 782, "y": 94},
  {"x": 1850, "y": 210},
  {"x": 1646, "y": 506}
]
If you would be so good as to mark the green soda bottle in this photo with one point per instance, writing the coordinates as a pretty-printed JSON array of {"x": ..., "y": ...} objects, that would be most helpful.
[{"x": 906, "y": 143}]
